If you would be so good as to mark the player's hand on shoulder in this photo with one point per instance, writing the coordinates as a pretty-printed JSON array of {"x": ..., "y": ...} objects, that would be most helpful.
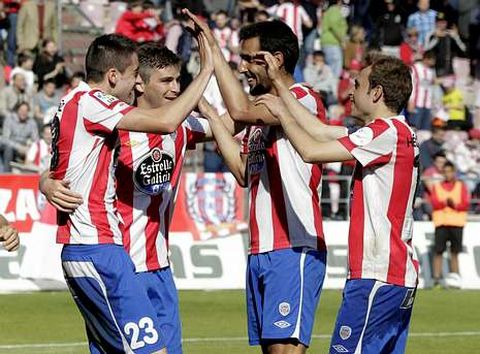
[
  {"x": 58, "y": 193},
  {"x": 9, "y": 238},
  {"x": 275, "y": 104}
]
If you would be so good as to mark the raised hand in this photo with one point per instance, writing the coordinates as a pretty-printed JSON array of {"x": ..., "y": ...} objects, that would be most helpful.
[
  {"x": 205, "y": 51},
  {"x": 196, "y": 26},
  {"x": 275, "y": 104},
  {"x": 272, "y": 63}
]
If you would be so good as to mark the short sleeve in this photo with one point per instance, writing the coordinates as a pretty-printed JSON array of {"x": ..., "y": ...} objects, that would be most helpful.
[
  {"x": 196, "y": 129},
  {"x": 371, "y": 145},
  {"x": 102, "y": 112}
]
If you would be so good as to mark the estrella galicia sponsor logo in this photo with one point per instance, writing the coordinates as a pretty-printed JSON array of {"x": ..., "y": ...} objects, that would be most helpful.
[
  {"x": 282, "y": 324},
  {"x": 340, "y": 348},
  {"x": 284, "y": 308},
  {"x": 256, "y": 152},
  {"x": 154, "y": 172},
  {"x": 345, "y": 332}
]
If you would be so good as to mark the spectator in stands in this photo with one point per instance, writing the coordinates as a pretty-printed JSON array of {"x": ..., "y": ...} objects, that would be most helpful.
[
  {"x": 76, "y": 79},
  {"x": 45, "y": 99},
  {"x": 38, "y": 155},
  {"x": 19, "y": 132},
  {"x": 37, "y": 21},
  {"x": 13, "y": 94},
  {"x": 227, "y": 39},
  {"x": 140, "y": 24},
  {"x": 294, "y": 15},
  {"x": 446, "y": 44},
  {"x": 50, "y": 65},
  {"x": 420, "y": 104},
  {"x": 434, "y": 173},
  {"x": 8, "y": 235},
  {"x": 261, "y": 16},
  {"x": 410, "y": 49},
  {"x": 355, "y": 48},
  {"x": 454, "y": 103},
  {"x": 11, "y": 9},
  {"x": 321, "y": 78},
  {"x": 423, "y": 20},
  {"x": 389, "y": 30},
  {"x": 334, "y": 32},
  {"x": 24, "y": 67},
  {"x": 248, "y": 10},
  {"x": 431, "y": 147},
  {"x": 450, "y": 201}
]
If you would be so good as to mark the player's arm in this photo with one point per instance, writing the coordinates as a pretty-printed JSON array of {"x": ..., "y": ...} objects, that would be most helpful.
[
  {"x": 228, "y": 146},
  {"x": 239, "y": 106},
  {"x": 316, "y": 128},
  {"x": 167, "y": 118},
  {"x": 8, "y": 235},
  {"x": 58, "y": 193}
]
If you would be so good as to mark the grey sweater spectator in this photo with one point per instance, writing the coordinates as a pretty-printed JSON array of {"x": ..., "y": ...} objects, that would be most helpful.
[
  {"x": 13, "y": 94},
  {"x": 429, "y": 148},
  {"x": 19, "y": 131},
  {"x": 320, "y": 76}
]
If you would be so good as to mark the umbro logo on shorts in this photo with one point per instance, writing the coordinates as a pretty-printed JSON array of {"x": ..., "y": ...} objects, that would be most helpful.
[
  {"x": 282, "y": 324},
  {"x": 340, "y": 348}
]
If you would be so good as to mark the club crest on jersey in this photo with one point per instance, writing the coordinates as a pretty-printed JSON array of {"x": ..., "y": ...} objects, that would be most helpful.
[
  {"x": 154, "y": 172},
  {"x": 345, "y": 332},
  {"x": 284, "y": 308},
  {"x": 256, "y": 148}
]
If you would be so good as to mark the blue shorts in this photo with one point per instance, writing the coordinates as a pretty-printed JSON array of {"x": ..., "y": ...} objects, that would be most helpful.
[
  {"x": 283, "y": 290},
  {"x": 373, "y": 318},
  {"x": 119, "y": 316},
  {"x": 162, "y": 292}
]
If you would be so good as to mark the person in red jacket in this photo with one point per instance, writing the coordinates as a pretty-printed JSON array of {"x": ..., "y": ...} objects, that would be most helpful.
[
  {"x": 450, "y": 201},
  {"x": 140, "y": 22}
]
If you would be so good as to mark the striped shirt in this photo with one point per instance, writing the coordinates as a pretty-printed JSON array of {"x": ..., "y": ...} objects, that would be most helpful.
[
  {"x": 293, "y": 15},
  {"x": 148, "y": 175},
  {"x": 83, "y": 143},
  {"x": 285, "y": 209},
  {"x": 383, "y": 190},
  {"x": 423, "y": 79}
]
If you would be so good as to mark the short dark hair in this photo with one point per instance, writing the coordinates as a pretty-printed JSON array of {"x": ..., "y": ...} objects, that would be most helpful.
[
  {"x": 79, "y": 75},
  {"x": 222, "y": 12},
  {"x": 394, "y": 76},
  {"x": 429, "y": 54},
  {"x": 106, "y": 52},
  {"x": 319, "y": 53},
  {"x": 23, "y": 57},
  {"x": 449, "y": 164},
  {"x": 274, "y": 36},
  {"x": 49, "y": 81},
  {"x": 440, "y": 154},
  {"x": 154, "y": 56},
  {"x": 20, "y": 104}
]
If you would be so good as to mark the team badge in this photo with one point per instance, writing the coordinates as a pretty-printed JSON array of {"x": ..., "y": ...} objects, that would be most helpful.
[
  {"x": 345, "y": 332},
  {"x": 282, "y": 324},
  {"x": 284, "y": 308},
  {"x": 154, "y": 172}
]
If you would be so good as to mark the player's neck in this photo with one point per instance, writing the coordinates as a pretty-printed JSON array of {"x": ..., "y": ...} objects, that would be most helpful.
[
  {"x": 380, "y": 112},
  {"x": 287, "y": 80},
  {"x": 102, "y": 86}
]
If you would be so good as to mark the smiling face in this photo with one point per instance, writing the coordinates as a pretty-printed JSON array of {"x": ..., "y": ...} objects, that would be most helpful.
[
  {"x": 254, "y": 68},
  {"x": 162, "y": 86},
  {"x": 360, "y": 95},
  {"x": 125, "y": 82}
]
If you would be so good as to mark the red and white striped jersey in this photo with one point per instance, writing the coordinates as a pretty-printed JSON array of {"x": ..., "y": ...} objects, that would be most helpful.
[
  {"x": 285, "y": 209},
  {"x": 148, "y": 175},
  {"x": 423, "y": 79},
  {"x": 39, "y": 154},
  {"x": 293, "y": 15},
  {"x": 83, "y": 141},
  {"x": 383, "y": 191}
]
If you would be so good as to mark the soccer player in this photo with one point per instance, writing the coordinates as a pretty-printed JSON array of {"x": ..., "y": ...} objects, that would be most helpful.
[
  {"x": 118, "y": 313},
  {"x": 286, "y": 236},
  {"x": 383, "y": 268},
  {"x": 8, "y": 235}
]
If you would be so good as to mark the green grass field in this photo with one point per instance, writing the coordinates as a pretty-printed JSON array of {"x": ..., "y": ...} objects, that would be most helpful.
[{"x": 214, "y": 322}]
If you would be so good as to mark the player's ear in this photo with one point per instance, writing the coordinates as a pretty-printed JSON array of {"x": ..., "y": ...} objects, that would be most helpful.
[
  {"x": 377, "y": 93},
  {"x": 112, "y": 76},
  {"x": 281, "y": 60}
]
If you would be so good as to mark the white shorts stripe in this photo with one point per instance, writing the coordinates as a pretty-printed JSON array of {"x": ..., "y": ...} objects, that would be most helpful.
[
  {"x": 296, "y": 332},
  {"x": 87, "y": 269}
]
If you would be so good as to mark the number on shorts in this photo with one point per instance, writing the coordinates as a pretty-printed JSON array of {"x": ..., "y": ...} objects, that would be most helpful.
[{"x": 133, "y": 329}]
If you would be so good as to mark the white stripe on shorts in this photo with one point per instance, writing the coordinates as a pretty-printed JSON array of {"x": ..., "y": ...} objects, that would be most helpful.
[
  {"x": 87, "y": 269},
  {"x": 373, "y": 292},
  {"x": 296, "y": 332}
]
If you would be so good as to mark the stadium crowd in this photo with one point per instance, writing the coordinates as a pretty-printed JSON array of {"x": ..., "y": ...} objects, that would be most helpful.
[{"x": 438, "y": 39}]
